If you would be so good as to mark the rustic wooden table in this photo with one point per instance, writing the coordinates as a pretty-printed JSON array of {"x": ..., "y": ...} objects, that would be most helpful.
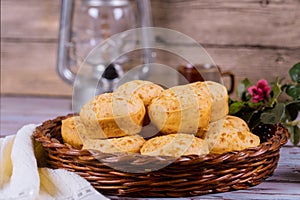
[{"x": 284, "y": 184}]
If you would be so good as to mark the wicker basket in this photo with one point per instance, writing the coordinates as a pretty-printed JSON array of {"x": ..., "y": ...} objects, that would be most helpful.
[{"x": 187, "y": 176}]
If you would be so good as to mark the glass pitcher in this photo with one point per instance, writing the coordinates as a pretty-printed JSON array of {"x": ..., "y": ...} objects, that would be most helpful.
[{"x": 83, "y": 25}]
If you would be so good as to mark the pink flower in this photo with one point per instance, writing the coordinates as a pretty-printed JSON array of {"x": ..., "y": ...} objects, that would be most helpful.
[{"x": 260, "y": 92}]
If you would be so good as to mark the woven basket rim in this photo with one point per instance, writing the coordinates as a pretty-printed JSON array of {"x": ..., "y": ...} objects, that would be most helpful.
[
  {"x": 278, "y": 140},
  {"x": 229, "y": 171}
]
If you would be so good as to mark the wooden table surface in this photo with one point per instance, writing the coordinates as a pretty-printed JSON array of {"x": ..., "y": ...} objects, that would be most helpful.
[{"x": 284, "y": 184}]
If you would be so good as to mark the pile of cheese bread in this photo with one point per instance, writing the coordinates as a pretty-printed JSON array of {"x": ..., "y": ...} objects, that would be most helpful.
[{"x": 190, "y": 119}]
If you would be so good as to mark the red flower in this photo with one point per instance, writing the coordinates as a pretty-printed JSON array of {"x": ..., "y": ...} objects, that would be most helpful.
[{"x": 260, "y": 92}]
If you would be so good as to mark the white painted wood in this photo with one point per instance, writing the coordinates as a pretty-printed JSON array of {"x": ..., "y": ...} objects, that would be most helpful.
[
  {"x": 266, "y": 190},
  {"x": 18, "y": 111}
]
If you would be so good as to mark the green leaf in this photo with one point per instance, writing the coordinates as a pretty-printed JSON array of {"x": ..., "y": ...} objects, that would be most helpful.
[
  {"x": 255, "y": 105},
  {"x": 295, "y": 135},
  {"x": 242, "y": 88},
  {"x": 291, "y": 131},
  {"x": 292, "y": 110},
  {"x": 236, "y": 107},
  {"x": 295, "y": 73},
  {"x": 293, "y": 91},
  {"x": 274, "y": 115},
  {"x": 276, "y": 92},
  {"x": 253, "y": 118}
]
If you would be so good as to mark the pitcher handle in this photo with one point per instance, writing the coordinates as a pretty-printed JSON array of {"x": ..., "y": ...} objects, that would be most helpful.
[
  {"x": 232, "y": 81},
  {"x": 64, "y": 43}
]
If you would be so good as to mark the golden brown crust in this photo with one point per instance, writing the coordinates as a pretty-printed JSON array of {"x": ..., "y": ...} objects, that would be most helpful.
[
  {"x": 231, "y": 139},
  {"x": 230, "y": 134},
  {"x": 174, "y": 145},
  {"x": 198, "y": 108},
  {"x": 182, "y": 109},
  {"x": 111, "y": 115},
  {"x": 226, "y": 122},
  {"x": 145, "y": 90},
  {"x": 70, "y": 129},
  {"x": 236, "y": 122},
  {"x": 219, "y": 97},
  {"x": 129, "y": 144}
]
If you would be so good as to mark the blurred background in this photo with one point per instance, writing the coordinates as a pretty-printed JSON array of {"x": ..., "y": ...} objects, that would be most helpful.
[
  {"x": 251, "y": 38},
  {"x": 254, "y": 39}
]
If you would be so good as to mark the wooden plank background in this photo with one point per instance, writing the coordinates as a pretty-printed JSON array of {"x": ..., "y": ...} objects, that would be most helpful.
[{"x": 252, "y": 38}]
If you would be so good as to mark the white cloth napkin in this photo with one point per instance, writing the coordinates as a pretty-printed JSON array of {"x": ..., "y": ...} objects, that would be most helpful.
[{"x": 21, "y": 179}]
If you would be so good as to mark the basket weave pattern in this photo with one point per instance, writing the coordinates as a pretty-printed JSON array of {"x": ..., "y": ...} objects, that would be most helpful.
[{"x": 187, "y": 176}]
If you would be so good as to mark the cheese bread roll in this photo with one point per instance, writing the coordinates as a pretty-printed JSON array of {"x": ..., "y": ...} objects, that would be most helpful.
[
  {"x": 230, "y": 134},
  {"x": 71, "y": 129},
  {"x": 145, "y": 90},
  {"x": 112, "y": 115},
  {"x": 236, "y": 122},
  {"x": 130, "y": 144},
  {"x": 219, "y": 100},
  {"x": 227, "y": 121},
  {"x": 183, "y": 109},
  {"x": 175, "y": 145}
]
